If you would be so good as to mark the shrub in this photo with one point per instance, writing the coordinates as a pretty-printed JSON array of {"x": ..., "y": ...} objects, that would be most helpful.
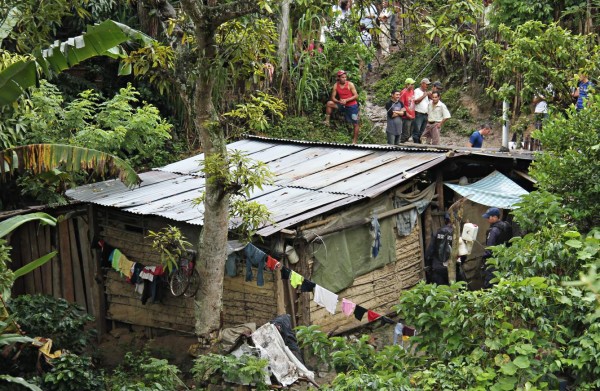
[
  {"x": 49, "y": 317},
  {"x": 217, "y": 369},
  {"x": 140, "y": 372},
  {"x": 72, "y": 373}
]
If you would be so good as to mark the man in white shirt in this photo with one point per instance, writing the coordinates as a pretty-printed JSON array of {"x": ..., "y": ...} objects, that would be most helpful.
[
  {"x": 437, "y": 114},
  {"x": 421, "y": 100}
]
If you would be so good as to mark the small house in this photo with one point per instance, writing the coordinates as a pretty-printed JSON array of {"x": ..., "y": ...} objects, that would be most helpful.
[{"x": 354, "y": 219}]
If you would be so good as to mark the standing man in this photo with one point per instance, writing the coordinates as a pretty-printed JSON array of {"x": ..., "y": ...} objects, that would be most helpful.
[
  {"x": 438, "y": 253},
  {"x": 583, "y": 90},
  {"x": 477, "y": 137},
  {"x": 344, "y": 98},
  {"x": 437, "y": 114},
  {"x": 421, "y": 100},
  {"x": 407, "y": 97},
  {"x": 395, "y": 110},
  {"x": 499, "y": 232},
  {"x": 385, "y": 39}
]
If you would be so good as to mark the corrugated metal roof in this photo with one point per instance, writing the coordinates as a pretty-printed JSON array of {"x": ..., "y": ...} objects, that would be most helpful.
[{"x": 310, "y": 179}]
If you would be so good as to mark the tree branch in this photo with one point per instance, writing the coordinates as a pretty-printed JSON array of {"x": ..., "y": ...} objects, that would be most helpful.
[{"x": 219, "y": 14}]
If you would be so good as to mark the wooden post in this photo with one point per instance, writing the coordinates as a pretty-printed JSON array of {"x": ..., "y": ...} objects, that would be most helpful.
[
  {"x": 456, "y": 212},
  {"x": 96, "y": 277},
  {"x": 439, "y": 188},
  {"x": 304, "y": 298}
]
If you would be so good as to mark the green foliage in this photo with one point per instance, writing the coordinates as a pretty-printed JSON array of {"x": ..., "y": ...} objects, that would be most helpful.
[
  {"x": 47, "y": 188},
  {"x": 170, "y": 244},
  {"x": 358, "y": 380},
  {"x": 402, "y": 65},
  {"x": 37, "y": 22},
  {"x": 239, "y": 176},
  {"x": 311, "y": 128},
  {"x": 217, "y": 369},
  {"x": 453, "y": 25},
  {"x": 553, "y": 251},
  {"x": 259, "y": 113},
  {"x": 140, "y": 372},
  {"x": 517, "y": 12},
  {"x": 65, "y": 323},
  {"x": 534, "y": 55},
  {"x": 568, "y": 168},
  {"x": 72, "y": 373},
  {"x": 6, "y": 274},
  {"x": 316, "y": 341}
]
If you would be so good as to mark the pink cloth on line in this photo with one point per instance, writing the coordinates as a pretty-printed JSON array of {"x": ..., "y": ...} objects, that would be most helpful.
[{"x": 348, "y": 307}]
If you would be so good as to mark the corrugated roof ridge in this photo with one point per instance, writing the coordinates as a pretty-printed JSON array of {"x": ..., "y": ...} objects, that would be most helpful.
[{"x": 412, "y": 148}]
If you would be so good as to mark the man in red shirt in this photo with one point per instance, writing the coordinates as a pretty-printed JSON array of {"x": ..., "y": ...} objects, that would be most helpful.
[
  {"x": 407, "y": 98},
  {"x": 343, "y": 98}
]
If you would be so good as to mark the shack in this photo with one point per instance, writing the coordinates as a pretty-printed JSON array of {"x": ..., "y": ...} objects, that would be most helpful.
[{"x": 352, "y": 219}]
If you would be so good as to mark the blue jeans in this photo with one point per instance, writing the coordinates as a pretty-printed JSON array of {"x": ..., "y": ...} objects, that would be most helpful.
[{"x": 419, "y": 126}]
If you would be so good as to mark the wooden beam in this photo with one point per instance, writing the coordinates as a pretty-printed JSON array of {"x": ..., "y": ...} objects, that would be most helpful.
[
  {"x": 96, "y": 277},
  {"x": 65, "y": 257},
  {"x": 78, "y": 284},
  {"x": 439, "y": 188}
]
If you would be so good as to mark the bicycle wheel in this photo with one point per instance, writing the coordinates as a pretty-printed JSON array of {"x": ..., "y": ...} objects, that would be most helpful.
[
  {"x": 178, "y": 282},
  {"x": 194, "y": 284}
]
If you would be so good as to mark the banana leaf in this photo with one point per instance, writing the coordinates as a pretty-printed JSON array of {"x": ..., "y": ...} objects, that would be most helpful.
[
  {"x": 9, "y": 22},
  {"x": 34, "y": 264},
  {"x": 21, "y": 381},
  {"x": 39, "y": 158},
  {"x": 100, "y": 40},
  {"x": 9, "y": 225}
]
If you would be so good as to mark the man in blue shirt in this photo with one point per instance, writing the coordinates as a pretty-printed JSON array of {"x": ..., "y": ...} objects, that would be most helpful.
[
  {"x": 477, "y": 137},
  {"x": 583, "y": 90}
]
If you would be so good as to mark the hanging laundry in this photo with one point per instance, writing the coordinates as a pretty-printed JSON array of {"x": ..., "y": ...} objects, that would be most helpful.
[
  {"x": 148, "y": 273},
  {"x": 296, "y": 279},
  {"x": 359, "y": 312},
  {"x": 398, "y": 332},
  {"x": 409, "y": 331},
  {"x": 135, "y": 273},
  {"x": 272, "y": 263},
  {"x": 120, "y": 263},
  {"x": 376, "y": 235},
  {"x": 385, "y": 320},
  {"x": 255, "y": 257},
  {"x": 348, "y": 307},
  {"x": 371, "y": 315},
  {"x": 231, "y": 264},
  {"x": 307, "y": 286},
  {"x": 285, "y": 273},
  {"x": 105, "y": 252},
  {"x": 326, "y": 298}
]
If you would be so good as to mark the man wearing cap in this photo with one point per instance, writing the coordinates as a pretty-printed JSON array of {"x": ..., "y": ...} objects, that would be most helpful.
[
  {"x": 421, "y": 99},
  {"x": 344, "y": 98},
  {"x": 499, "y": 232},
  {"x": 437, "y": 114},
  {"x": 407, "y": 97},
  {"x": 437, "y": 86}
]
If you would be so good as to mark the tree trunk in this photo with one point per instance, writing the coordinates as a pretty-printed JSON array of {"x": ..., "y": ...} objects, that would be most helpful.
[
  {"x": 284, "y": 26},
  {"x": 213, "y": 238}
]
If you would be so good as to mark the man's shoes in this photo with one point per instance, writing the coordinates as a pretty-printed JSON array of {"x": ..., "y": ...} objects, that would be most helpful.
[{"x": 326, "y": 123}]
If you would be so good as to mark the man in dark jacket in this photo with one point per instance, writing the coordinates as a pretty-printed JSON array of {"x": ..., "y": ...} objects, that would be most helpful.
[
  {"x": 438, "y": 253},
  {"x": 498, "y": 233}
]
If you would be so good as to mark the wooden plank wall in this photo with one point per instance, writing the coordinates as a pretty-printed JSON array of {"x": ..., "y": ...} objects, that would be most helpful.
[
  {"x": 68, "y": 275},
  {"x": 244, "y": 301},
  {"x": 123, "y": 304},
  {"x": 377, "y": 291}
]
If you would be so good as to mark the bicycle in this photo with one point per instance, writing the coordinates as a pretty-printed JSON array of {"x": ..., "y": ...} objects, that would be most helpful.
[{"x": 185, "y": 280}]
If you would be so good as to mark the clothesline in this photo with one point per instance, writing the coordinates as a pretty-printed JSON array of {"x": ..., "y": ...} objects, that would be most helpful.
[{"x": 321, "y": 296}]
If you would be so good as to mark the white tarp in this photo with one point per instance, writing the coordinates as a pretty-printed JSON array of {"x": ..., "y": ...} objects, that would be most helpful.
[
  {"x": 494, "y": 190},
  {"x": 284, "y": 365}
]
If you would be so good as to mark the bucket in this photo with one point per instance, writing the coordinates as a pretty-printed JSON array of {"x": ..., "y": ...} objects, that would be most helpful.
[
  {"x": 291, "y": 254},
  {"x": 469, "y": 232}
]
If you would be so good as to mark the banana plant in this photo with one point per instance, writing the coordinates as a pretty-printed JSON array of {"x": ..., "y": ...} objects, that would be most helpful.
[
  {"x": 103, "y": 39},
  {"x": 39, "y": 158}
]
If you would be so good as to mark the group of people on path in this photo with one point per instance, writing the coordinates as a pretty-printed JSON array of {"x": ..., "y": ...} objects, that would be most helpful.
[{"x": 416, "y": 112}]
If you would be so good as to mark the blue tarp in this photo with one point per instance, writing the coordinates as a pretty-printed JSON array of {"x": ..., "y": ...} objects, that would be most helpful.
[{"x": 494, "y": 190}]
